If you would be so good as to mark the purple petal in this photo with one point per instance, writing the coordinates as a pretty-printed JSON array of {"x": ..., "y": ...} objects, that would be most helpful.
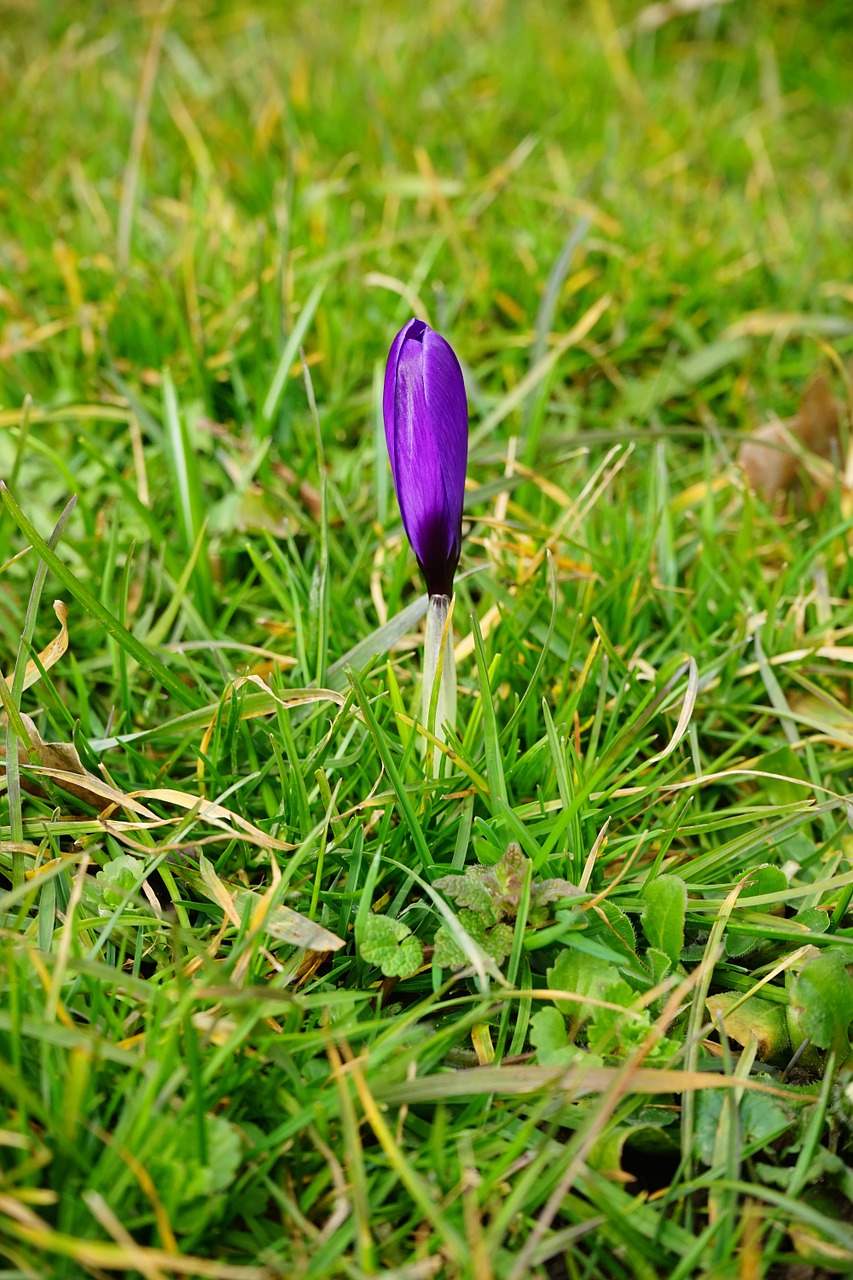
[
  {"x": 389, "y": 390},
  {"x": 447, "y": 407},
  {"x": 426, "y": 429}
]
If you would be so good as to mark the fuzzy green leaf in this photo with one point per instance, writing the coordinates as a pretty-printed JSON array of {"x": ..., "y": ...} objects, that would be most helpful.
[
  {"x": 617, "y": 931},
  {"x": 664, "y": 914},
  {"x": 659, "y": 965},
  {"x": 543, "y": 893},
  {"x": 391, "y": 946},
  {"x": 494, "y": 938},
  {"x": 496, "y": 889},
  {"x": 468, "y": 890}
]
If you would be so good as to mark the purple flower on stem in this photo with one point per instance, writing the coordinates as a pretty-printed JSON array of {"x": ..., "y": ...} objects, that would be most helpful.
[{"x": 426, "y": 429}]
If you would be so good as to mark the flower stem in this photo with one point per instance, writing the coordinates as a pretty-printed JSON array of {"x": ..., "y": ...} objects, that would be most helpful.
[{"x": 439, "y": 684}]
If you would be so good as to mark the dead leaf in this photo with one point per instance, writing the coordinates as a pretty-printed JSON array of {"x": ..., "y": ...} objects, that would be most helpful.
[
  {"x": 813, "y": 1245},
  {"x": 215, "y": 815},
  {"x": 287, "y": 925},
  {"x": 831, "y": 719},
  {"x": 779, "y": 452},
  {"x": 768, "y": 460},
  {"x": 61, "y": 762},
  {"x": 309, "y": 496},
  {"x": 279, "y": 921},
  {"x": 95, "y": 792},
  {"x": 753, "y": 1019},
  {"x": 51, "y": 655},
  {"x": 819, "y": 417}
]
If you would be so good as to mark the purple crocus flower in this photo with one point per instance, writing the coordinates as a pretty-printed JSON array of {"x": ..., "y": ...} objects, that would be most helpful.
[{"x": 426, "y": 429}]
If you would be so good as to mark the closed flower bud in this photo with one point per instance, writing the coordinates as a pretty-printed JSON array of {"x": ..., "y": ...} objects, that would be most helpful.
[{"x": 426, "y": 429}]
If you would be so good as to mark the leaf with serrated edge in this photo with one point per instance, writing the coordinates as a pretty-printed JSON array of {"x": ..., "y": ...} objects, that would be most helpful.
[{"x": 391, "y": 946}]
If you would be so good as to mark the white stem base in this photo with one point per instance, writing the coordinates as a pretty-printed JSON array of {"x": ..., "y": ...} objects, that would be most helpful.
[{"x": 438, "y": 612}]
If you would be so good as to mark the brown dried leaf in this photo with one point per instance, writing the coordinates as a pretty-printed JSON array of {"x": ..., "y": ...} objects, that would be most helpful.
[
  {"x": 818, "y": 418},
  {"x": 309, "y": 496},
  {"x": 773, "y": 456},
  {"x": 768, "y": 462},
  {"x": 61, "y": 762},
  {"x": 753, "y": 1019},
  {"x": 278, "y": 921}
]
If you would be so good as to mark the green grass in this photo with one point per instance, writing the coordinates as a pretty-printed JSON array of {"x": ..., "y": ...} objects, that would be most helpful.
[{"x": 640, "y": 247}]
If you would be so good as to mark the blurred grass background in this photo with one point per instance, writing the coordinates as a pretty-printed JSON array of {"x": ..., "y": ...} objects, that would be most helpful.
[{"x": 452, "y": 147}]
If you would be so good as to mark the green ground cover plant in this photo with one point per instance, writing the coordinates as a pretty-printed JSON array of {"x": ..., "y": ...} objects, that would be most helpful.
[{"x": 280, "y": 997}]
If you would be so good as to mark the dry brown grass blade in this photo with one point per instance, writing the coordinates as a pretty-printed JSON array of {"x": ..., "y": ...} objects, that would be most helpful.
[
  {"x": 577, "y": 1083},
  {"x": 216, "y": 815},
  {"x": 25, "y": 1225},
  {"x": 50, "y": 655},
  {"x": 94, "y": 791},
  {"x": 276, "y": 920}
]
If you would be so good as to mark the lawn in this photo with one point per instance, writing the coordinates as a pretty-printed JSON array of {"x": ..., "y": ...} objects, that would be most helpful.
[{"x": 289, "y": 989}]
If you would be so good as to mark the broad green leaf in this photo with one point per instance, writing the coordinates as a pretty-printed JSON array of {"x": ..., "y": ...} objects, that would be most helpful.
[
  {"x": 663, "y": 915},
  {"x": 659, "y": 965},
  {"x": 119, "y": 878},
  {"x": 494, "y": 938},
  {"x": 767, "y": 879},
  {"x": 609, "y": 1029},
  {"x": 784, "y": 763},
  {"x": 391, "y": 946},
  {"x": 761, "y": 1119},
  {"x": 648, "y": 1140},
  {"x": 814, "y": 919},
  {"x": 223, "y": 1153},
  {"x": 549, "y": 1037},
  {"x": 189, "y": 1186},
  {"x": 586, "y": 976},
  {"x": 616, "y": 930},
  {"x": 740, "y": 944},
  {"x": 822, "y": 1001},
  {"x": 447, "y": 953}
]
